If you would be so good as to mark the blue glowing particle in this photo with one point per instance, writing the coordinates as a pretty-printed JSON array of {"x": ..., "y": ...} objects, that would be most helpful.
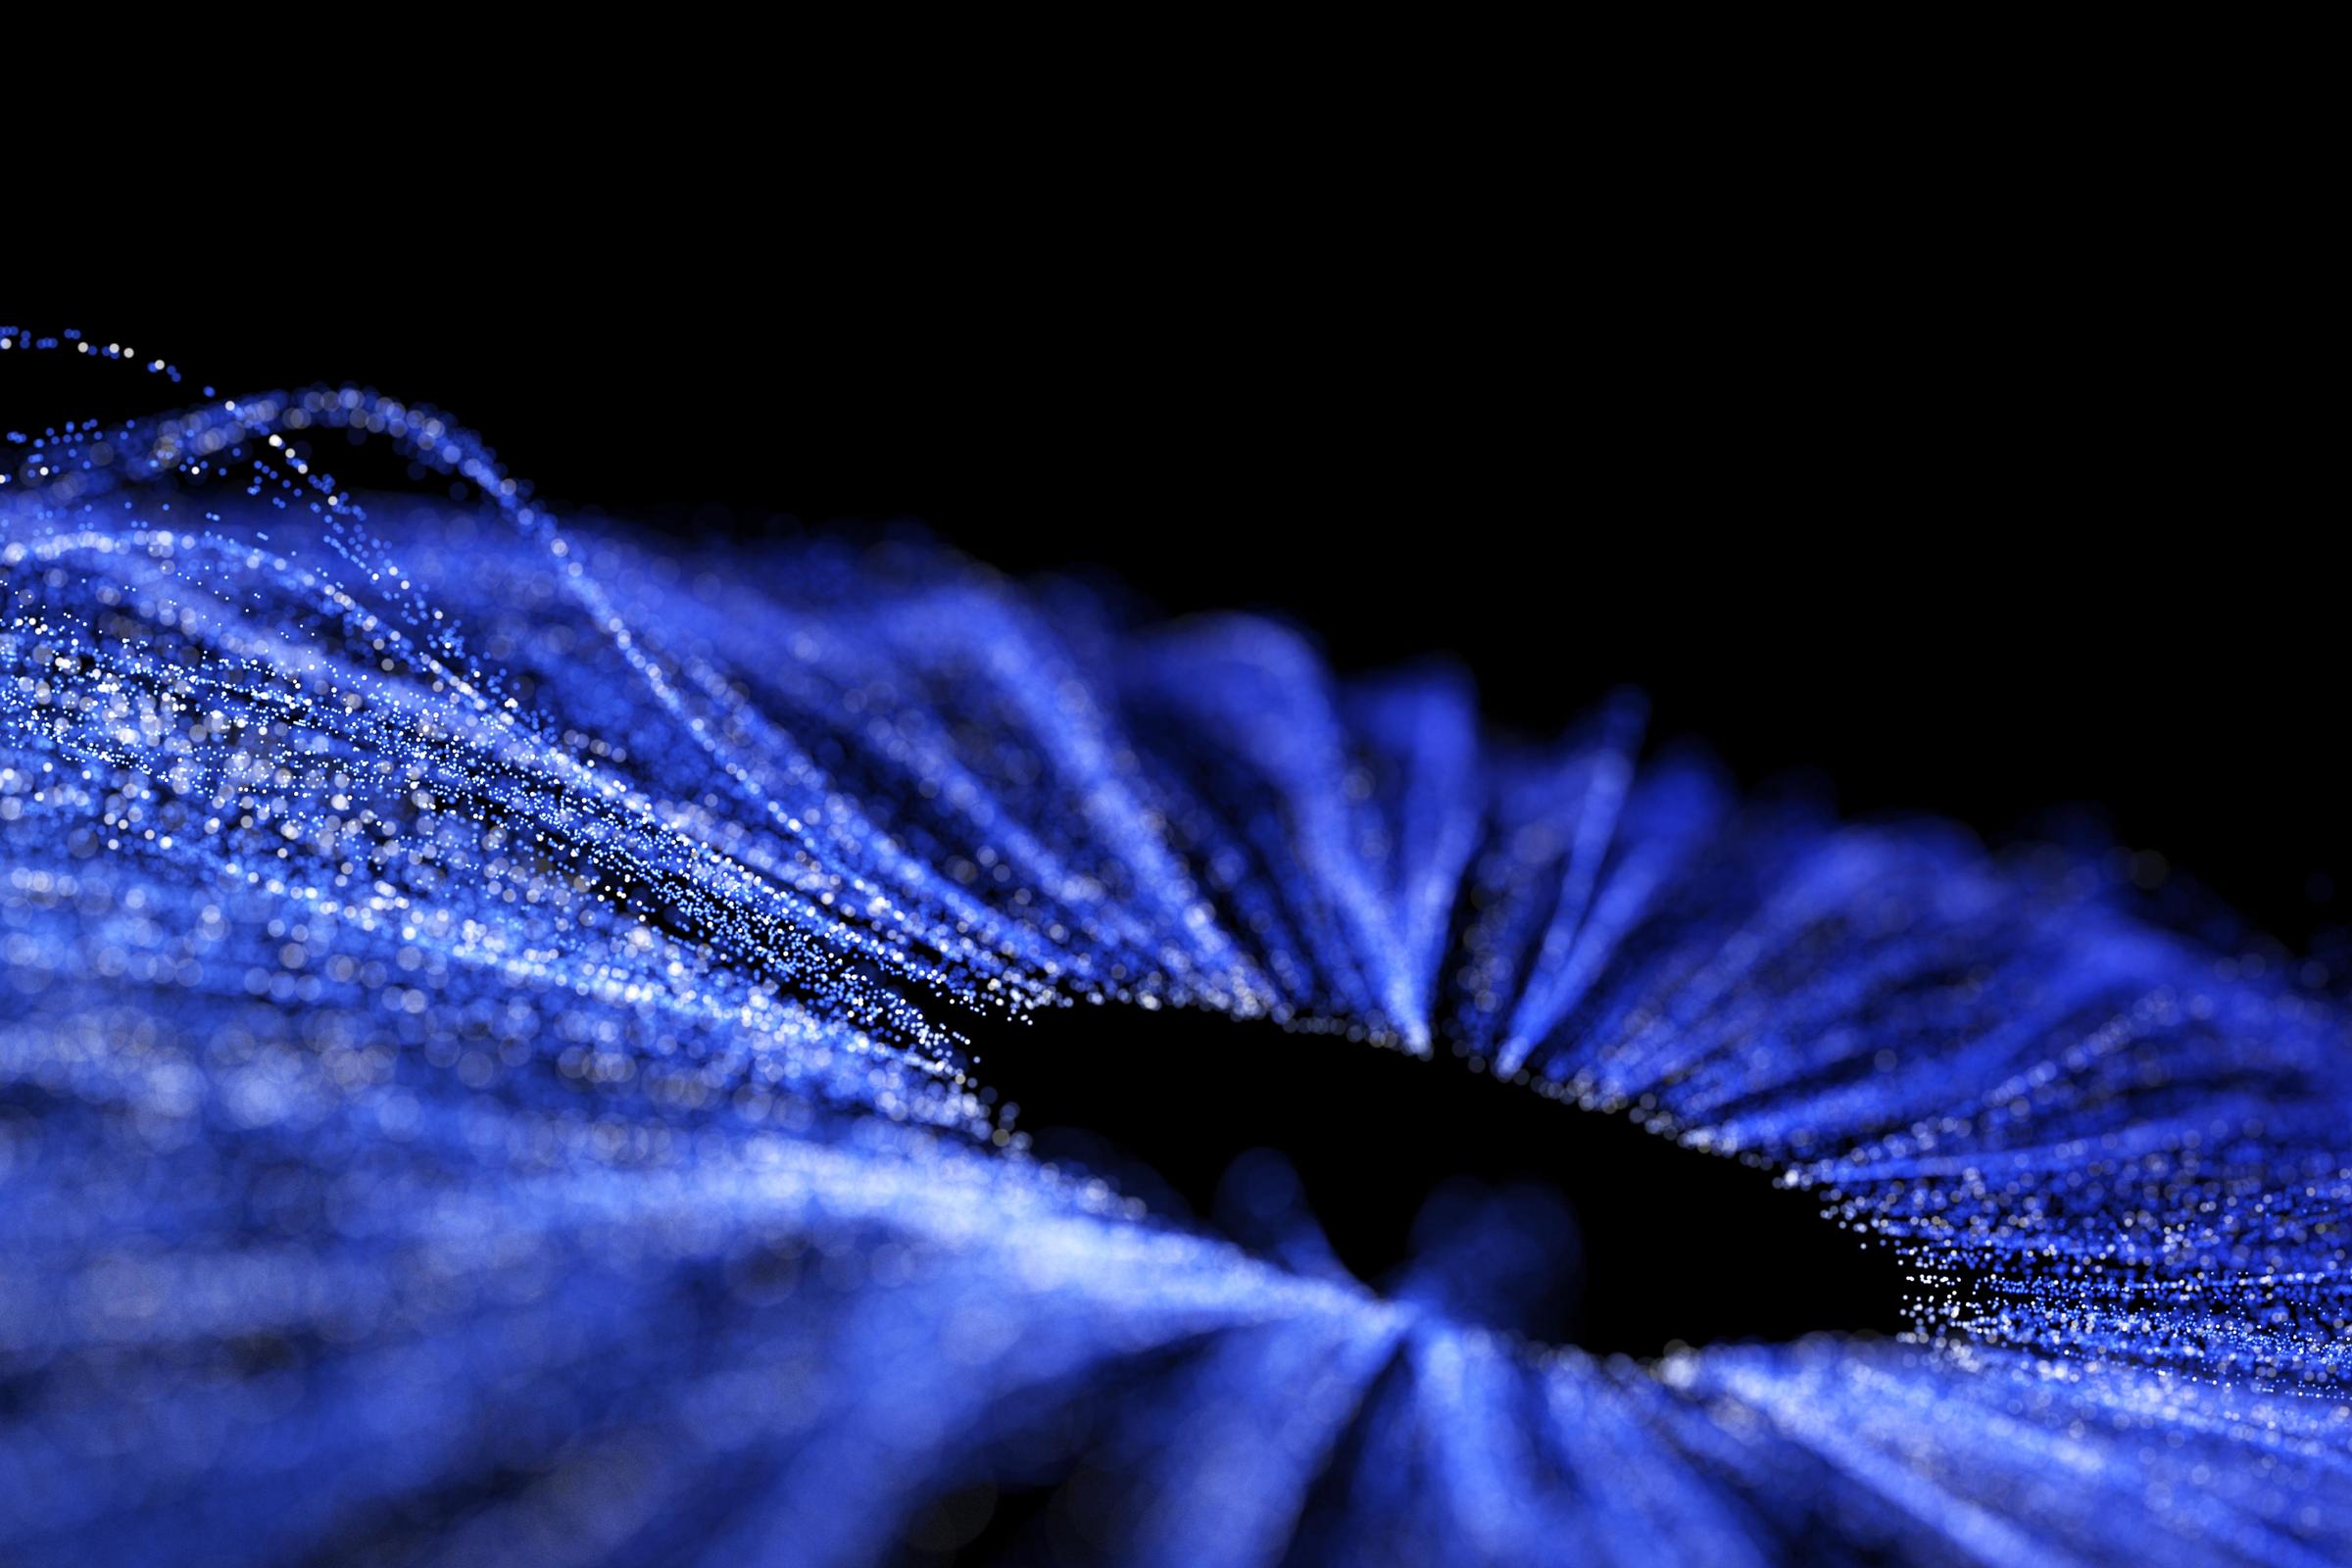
[{"x": 479, "y": 1080}]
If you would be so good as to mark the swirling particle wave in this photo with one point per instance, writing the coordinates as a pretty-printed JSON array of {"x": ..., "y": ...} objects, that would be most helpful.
[{"x": 480, "y": 1079}]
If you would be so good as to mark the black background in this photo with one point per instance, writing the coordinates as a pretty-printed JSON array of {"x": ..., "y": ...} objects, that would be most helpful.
[{"x": 1977, "y": 540}]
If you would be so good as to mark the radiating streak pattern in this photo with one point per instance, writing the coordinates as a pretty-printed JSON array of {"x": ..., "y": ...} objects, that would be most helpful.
[{"x": 480, "y": 1078}]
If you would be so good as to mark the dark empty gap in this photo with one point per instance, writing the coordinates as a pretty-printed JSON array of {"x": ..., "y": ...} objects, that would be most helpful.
[{"x": 1674, "y": 1245}]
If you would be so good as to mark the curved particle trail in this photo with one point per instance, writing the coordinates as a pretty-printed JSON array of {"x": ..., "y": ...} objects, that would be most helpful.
[{"x": 481, "y": 1077}]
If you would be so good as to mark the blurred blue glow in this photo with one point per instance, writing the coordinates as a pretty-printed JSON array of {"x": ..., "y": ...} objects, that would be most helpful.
[{"x": 476, "y": 1085}]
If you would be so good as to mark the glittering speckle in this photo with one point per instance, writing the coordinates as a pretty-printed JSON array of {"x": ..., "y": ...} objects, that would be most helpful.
[{"x": 479, "y": 1074}]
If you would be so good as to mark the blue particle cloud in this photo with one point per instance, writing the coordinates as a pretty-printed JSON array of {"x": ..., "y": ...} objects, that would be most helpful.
[{"x": 479, "y": 1079}]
